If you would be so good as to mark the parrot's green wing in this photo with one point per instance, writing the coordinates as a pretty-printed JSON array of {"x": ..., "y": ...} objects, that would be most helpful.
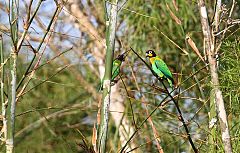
[
  {"x": 116, "y": 68},
  {"x": 160, "y": 67}
]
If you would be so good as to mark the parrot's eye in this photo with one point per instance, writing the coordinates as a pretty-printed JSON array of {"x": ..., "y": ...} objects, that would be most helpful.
[{"x": 150, "y": 52}]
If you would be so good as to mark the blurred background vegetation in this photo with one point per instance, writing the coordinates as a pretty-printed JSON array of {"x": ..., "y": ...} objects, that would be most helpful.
[{"x": 58, "y": 109}]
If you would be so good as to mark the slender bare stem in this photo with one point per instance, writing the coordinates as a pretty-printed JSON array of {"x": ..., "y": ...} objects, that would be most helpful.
[
  {"x": 40, "y": 45},
  {"x": 11, "y": 106},
  {"x": 210, "y": 48},
  {"x": 2, "y": 88},
  {"x": 110, "y": 43},
  {"x": 27, "y": 25}
]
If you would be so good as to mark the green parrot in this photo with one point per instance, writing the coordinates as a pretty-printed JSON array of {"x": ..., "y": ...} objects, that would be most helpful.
[
  {"x": 117, "y": 62},
  {"x": 160, "y": 67}
]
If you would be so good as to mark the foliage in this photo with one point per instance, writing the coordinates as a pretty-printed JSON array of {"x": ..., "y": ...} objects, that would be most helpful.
[
  {"x": 229, "y": 80},
  {"x": 59, "y": 108}
]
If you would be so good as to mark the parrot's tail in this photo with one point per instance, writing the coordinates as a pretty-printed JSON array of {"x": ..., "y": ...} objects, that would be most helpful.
[
  {"x": 171, "y": 83},
  {"x": 100, "y": 87}
]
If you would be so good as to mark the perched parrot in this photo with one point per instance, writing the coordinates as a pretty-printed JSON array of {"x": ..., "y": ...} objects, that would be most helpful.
[
  {"x": 160, "y": 67},
  {"x": 117, "y": 62}
]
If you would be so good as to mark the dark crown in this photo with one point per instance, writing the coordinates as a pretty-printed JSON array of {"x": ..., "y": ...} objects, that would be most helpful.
[{"x": 150, "y": 53}]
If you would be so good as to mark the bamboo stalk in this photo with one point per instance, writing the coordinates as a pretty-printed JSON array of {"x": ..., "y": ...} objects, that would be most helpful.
[
  {"x": 2, "y": 88},
  {"x": 11, "y": 106},
  {"x": 110, "y": 43},
  {"x": 210, "y": 51},
  {"x": 212, "y": 124}
]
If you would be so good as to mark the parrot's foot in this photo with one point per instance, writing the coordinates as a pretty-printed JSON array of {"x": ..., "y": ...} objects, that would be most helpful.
[
  {"x": 113, "y": 82},
  {"x": 152, "y": 83},
  {"x": 160, "y": 78}
]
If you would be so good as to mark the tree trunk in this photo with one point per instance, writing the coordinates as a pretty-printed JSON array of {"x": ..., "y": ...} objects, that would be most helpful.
[
  {"x": 83, "y": 23},
  {"x": 210, "y": 51},
  {"x": 11, "y": 105},
  {"x": 110, "y": 42}
]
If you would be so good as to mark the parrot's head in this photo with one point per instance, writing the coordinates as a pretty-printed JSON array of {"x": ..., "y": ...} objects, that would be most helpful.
[
  {"x": 150, "y": 53},
  {"x": 121, "y": 57}
]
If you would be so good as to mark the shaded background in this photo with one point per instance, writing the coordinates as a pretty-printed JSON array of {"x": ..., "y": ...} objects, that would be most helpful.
[{"x": 60, "y": 105}]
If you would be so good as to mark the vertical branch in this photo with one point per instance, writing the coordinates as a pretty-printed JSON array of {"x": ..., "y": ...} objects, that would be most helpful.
[
  {"x": 212, "y": 113},
  {"x": 27, "y": 24},
  {"x": 10, "y": 114},
  {"x": 2, "y": 85},
  {"x": 218, "y": 5},
  {"x": 13, "y": 19},
  {"x": 110, "y": 42},
  {"x": 212, "y": 124},
  {"x": 217, "y": 15},
  {"x": 210, "y": 51}
]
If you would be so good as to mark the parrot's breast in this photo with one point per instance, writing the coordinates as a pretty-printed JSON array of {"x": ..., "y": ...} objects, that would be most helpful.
[{"x": 152, "y": 60}]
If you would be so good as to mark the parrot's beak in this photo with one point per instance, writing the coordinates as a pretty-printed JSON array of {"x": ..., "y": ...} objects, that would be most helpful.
[{"x": 148, "y": 55}]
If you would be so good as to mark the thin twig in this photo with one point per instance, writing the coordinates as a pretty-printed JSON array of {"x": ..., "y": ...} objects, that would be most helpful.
[
  {"x": 130, "y": 102},
  {"x": 40, "y": 45},
  {"x": 155, "y": 132},
  {"x": 174, "y": 101},
  {"x": 23, "y": 93},
  {"x": 139, "y": 127}
]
